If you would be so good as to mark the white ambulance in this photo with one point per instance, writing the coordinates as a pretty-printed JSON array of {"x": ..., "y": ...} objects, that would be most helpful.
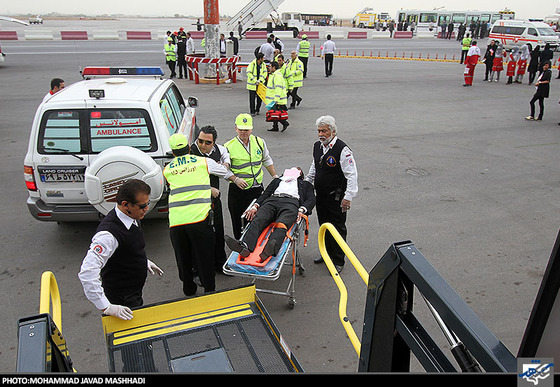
[
  {"x": 93, "y": 135},
  {"x": 519, "y": 32}
]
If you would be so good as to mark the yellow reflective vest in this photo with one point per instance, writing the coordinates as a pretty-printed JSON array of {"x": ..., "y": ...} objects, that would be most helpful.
[
  {"x": 303, "y": 48},
  {"x": 252, "y": 75},
  {"x": 247, "y": 164},
  {"x": 276, "y": 90},
  {"x": 288, "y": 76},
  {"x": 190, "y": 196},
  {"x": 296, "y": 67},
  {"x": 466, "y": 43},
  {"x": 170, "y": 54}
]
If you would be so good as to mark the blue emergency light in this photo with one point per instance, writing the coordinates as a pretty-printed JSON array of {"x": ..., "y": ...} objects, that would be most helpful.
[{"x": 122, "y": 71}]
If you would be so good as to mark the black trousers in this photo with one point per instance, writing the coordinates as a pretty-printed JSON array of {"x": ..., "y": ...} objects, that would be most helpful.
[
  {"x": 194, "y": 248},
  {"x": 464, "y": 55},
  {"x": 304, "y": 60},
  {"x": 295, "y": 96},
  {"x": 255, "y": 102},
  {"x": 171, "y": 64},
  {"x": 219, "y": 250},
  {"x": 541, "y": 106},
  {"x": 329, "y": 59},
  {"x": 274, "y": 209},
  {"x": 329, "y": 211},
  {"x": 132, "y": 298},
  {"x": 238, "y": 201},
  {"x": 181, "y": 61},
  {"x": 488, "y": 69}
]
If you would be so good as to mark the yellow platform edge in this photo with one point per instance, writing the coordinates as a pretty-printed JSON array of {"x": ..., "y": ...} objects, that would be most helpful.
[{"x": 153, "y": 314}]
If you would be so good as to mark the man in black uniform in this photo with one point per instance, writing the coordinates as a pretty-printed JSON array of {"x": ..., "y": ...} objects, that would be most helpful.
[
  {"x": 181, "y": 52},
  {"x": 283, "y": 202},
  {"x": 205, "y": 145},
  {"x": 115, "y": 267},
  {"x": 335, "y": 177}
]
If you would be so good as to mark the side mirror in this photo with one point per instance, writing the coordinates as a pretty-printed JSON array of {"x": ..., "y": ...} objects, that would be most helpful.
[{"x": 192, "y": 102}]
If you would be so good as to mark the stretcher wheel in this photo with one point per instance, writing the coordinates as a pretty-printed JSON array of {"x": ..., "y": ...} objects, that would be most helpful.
[{"x": 291, "y": 303}]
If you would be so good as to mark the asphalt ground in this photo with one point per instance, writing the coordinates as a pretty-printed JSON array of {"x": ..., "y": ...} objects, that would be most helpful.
[{"x": 458, "y": 171}]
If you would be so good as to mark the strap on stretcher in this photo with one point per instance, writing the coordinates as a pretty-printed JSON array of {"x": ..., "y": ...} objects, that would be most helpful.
[{"x": 254, "y": 258}]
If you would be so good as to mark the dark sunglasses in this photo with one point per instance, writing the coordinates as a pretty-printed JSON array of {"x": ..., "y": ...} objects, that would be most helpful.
[
  {"x": 142, "y": 206},
  {"x": 207, "y": 142}
]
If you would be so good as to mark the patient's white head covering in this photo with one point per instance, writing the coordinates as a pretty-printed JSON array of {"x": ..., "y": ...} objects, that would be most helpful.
[{"x": 291, "y": 174}]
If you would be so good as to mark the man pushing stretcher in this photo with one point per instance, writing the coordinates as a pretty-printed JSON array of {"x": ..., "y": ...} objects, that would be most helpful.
[{"x": 284, "y": 201}]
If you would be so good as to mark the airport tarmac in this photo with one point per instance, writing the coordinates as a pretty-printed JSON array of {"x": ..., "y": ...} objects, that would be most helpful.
[{"x": 456, "y": 170}]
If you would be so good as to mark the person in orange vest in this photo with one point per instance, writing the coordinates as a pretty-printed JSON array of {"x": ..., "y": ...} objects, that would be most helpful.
[{"x": 471, "y": 61}]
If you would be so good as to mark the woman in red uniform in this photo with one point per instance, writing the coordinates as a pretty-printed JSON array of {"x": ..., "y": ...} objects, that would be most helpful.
[
  {"x": 498, "y": 66},
  {"x": 522, "y": 64},
  {"x": 512, "y": 63}
]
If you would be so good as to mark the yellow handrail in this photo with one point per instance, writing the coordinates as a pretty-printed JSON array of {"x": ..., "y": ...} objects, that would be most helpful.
[
  {"x": 342, "y": 288},
  {"x": 50, "y": 294}
]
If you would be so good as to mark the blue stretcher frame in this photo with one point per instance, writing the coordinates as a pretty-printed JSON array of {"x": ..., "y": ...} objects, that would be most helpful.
[{"x": 272, "y": 269}]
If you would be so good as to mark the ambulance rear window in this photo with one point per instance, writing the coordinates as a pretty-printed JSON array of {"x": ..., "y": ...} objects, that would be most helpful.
[{"x": 60, "y": 132}]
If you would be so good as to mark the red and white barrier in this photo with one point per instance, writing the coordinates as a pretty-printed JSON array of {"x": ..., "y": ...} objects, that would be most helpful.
[{"x": 194, "y": 61}]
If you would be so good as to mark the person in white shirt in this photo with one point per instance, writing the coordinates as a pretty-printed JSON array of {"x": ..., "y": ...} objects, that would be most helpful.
[
  {"x": 190, "y": 44},
  {"x": 115, "y": 267},
  {"x": 334, "y": 175},
  {"x": 268, "y": 50},
  {"x": 328, "y": 55}
]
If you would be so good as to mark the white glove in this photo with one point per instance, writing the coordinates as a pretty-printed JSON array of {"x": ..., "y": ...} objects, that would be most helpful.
[
  {"x": 153, "y": 268},
  {"x": 119, "y": 311}
]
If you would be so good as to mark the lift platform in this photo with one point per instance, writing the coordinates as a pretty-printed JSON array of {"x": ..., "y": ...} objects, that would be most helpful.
[{"x": 226, "y": 331}]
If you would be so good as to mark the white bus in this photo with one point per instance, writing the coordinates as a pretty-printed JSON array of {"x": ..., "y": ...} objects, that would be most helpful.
[{"x": 432, "y": 19}]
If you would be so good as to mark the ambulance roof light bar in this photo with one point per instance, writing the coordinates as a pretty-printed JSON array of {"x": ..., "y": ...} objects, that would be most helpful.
[{"x": 93, "y": 71}]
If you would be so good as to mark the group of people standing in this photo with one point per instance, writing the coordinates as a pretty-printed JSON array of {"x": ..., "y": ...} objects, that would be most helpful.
[
  {"x": 176, "y": 46},
  {"x": 517, "y": 63},
  {"x": 478, "y": 30},
  {"x": 282, "y": 76},
  {"x": 114, "y": 270}
]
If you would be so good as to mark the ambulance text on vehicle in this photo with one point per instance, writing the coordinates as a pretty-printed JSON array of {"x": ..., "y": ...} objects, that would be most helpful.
[{"x": 519, "y": 32}]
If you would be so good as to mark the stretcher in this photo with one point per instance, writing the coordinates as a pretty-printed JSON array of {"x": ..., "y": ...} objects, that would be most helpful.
[
  {"x": 225, "y": 331},
  {"x": 252, "y": 268}
]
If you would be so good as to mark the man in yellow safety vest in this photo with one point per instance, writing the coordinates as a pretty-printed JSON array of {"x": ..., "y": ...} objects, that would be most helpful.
[
  {"x": 256, "y": 74},
  {"x": 277, "y": 94},
  {"x": 248, "y": 154},
  {"x": 296, "y": 67},
  {"x": 190, "y": 213},
  {"x": 465, "y": 45},
  {"x": 303, "y": 52},
  {"x": 170, "y": 51}
]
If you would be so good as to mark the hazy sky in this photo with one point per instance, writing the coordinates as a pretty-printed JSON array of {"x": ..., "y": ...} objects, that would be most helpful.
[{"x": 341, "y": 9}]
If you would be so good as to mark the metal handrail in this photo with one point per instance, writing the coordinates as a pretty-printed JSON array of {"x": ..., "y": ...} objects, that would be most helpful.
[
  {"x": 50, "y": 296},
  {"x": 342, "y": 288}
]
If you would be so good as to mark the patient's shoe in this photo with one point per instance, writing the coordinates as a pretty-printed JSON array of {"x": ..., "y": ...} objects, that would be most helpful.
[
  {"x": 237, "y": 246},
  {"x": 268, "y": 250}
]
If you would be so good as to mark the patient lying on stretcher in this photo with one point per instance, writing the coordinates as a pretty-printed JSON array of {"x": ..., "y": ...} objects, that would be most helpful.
[{"x": 284, "y": 201}]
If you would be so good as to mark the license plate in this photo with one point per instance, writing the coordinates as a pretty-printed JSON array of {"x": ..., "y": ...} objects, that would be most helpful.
[{"x": 62, "y": 174}]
